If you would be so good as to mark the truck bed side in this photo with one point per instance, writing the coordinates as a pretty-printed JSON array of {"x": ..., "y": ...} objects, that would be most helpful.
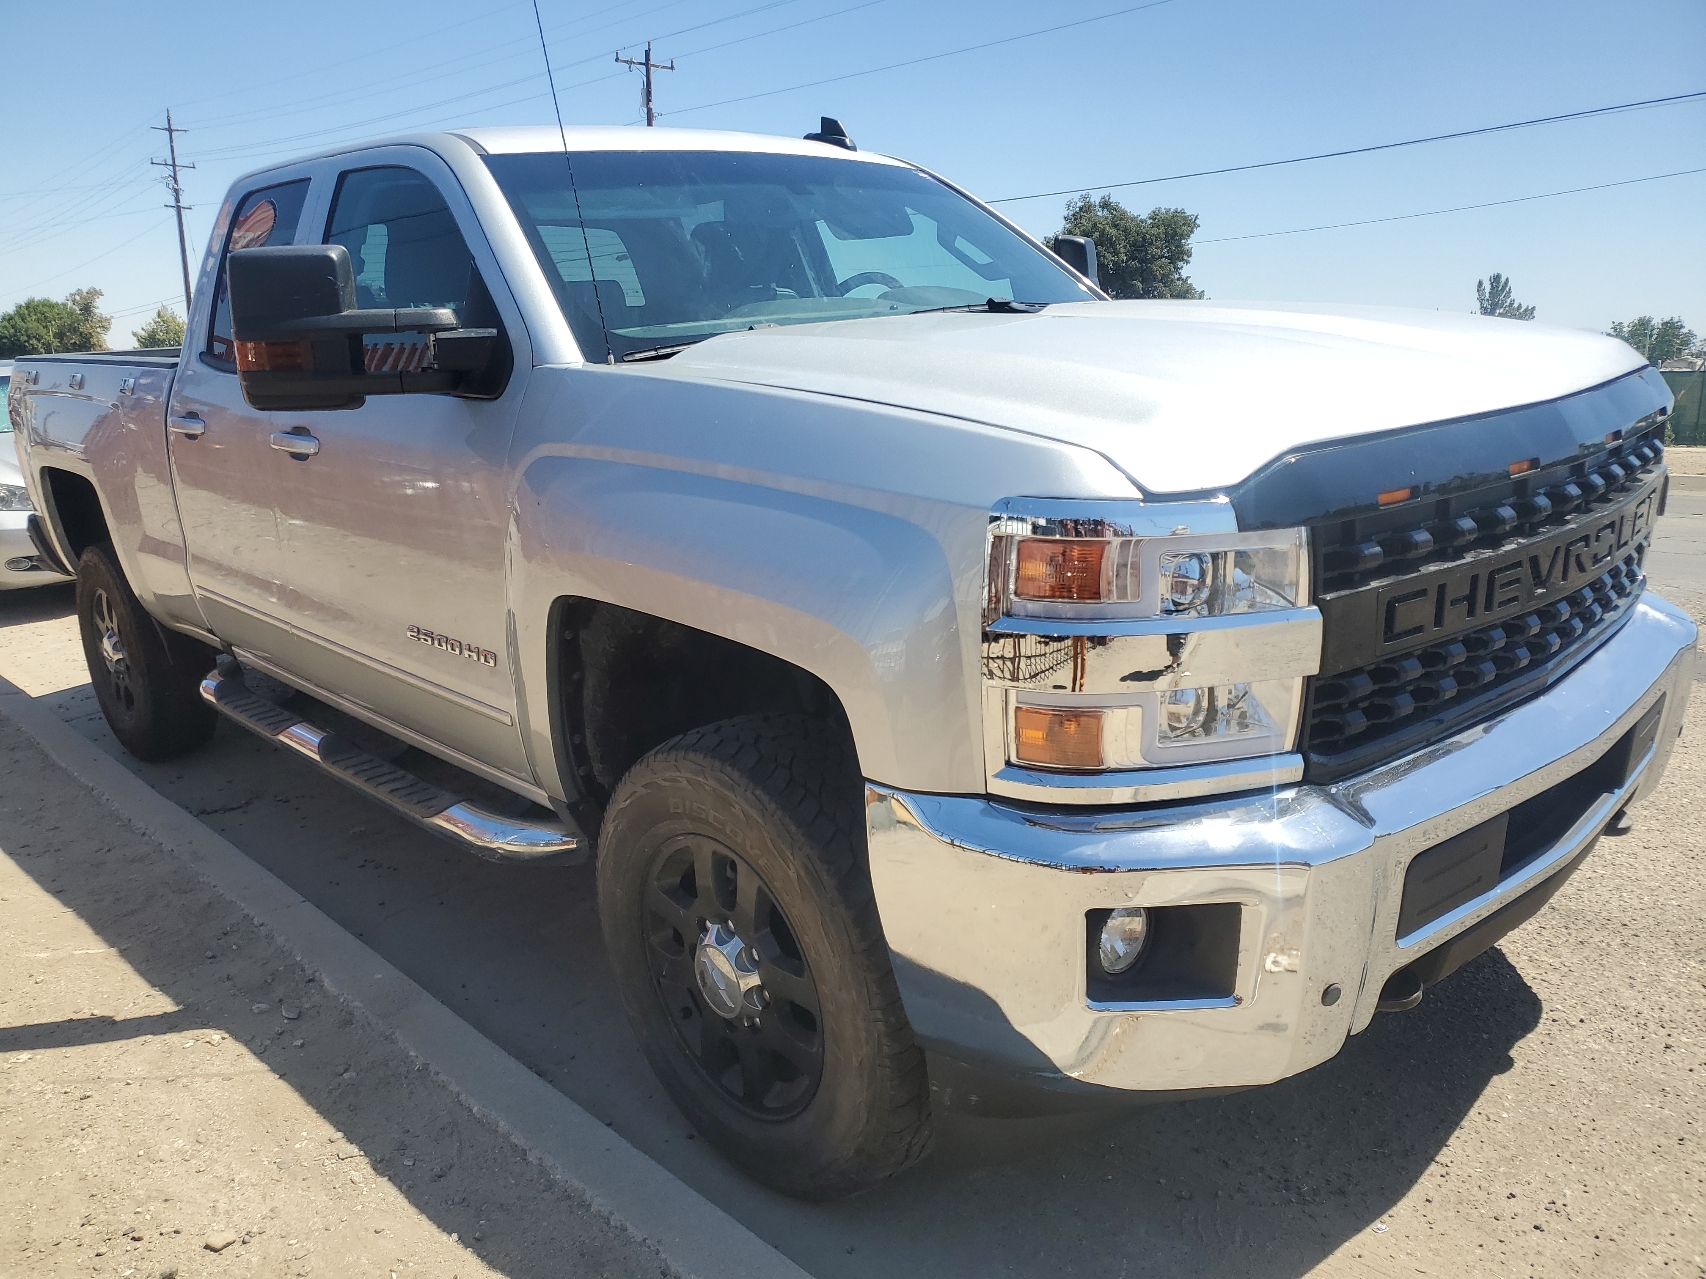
[{"x": 91, "y": 435}]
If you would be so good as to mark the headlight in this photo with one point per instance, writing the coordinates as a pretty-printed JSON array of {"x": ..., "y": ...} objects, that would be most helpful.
[
  {"x": 1125, "y": 648},
  {"x": 1094, "y": 572},
  {"x": 15, "y": 497}
]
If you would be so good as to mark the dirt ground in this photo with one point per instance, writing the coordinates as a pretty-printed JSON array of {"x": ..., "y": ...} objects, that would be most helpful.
[
  {"x": 1541, "y": 1114},
  {"x": 170, "y": 1082},
  {"x": 1684, "y": 459}
]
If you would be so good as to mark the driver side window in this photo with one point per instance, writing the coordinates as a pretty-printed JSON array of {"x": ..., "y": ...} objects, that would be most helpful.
[{"x": 403, "y": 242}]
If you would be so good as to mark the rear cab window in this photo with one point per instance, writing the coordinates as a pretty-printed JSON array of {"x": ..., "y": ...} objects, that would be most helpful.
[{"x": 263, "y": 217}]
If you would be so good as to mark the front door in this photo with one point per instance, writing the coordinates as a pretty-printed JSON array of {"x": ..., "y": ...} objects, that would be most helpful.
[{"x": 392, "y": 531}]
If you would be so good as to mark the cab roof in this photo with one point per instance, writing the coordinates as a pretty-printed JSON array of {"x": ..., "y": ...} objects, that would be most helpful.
[{"x": 524, "y": 138}]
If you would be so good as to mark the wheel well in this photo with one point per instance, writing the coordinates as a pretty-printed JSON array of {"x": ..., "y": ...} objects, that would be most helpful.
[
  {"x": 76, "y": 510},
  {"x": 623, "y": 682}
]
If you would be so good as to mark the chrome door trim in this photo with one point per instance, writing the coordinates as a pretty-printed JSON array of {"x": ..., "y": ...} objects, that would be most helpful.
[{"x": 296, "y": 444}]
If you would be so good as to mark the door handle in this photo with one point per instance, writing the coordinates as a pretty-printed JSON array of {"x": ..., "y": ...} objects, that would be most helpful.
[
  {"x": 303, "y": 445},
  {"x": 187, "y": 425}
]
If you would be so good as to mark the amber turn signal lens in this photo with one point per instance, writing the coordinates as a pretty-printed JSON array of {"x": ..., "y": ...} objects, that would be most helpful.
[
  {"x": 1058, "y": 569},
  {"x": 1057, "y": 738},
  {"x": 1394, "y": 496},
  {"x": 273, "y": 357}
]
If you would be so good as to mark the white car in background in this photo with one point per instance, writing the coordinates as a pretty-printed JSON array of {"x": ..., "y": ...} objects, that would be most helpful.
[{"x": 20, "y": 562}]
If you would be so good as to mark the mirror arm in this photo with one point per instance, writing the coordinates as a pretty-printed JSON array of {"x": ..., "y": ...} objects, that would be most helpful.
[{"x": 416, "y": 319}]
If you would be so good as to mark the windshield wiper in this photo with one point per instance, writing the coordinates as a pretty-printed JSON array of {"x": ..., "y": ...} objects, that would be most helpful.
[
  {"x": 1000, "y": 306},
  {"x": 658, "y": 352}
]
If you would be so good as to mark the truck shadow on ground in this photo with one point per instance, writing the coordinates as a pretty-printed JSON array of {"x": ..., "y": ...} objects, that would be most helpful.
[
  {"x": 1266, "y": 1182},
  {"x": 198, "y": 949},
  {"x": 1261, "y": 1183}
]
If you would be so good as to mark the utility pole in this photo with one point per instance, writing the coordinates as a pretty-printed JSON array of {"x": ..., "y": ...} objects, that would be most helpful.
[
  {"x": 650, "y": 66},
  {"x": 175, "y": 185}
]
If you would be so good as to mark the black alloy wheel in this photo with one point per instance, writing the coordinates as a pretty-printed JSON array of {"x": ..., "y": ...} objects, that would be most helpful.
[
  {"x": 745, "y": 942},
  {"x": 111, "y": 647},
  {"x": 729, "y": 971},
  {"x": 146, "y": 678}
]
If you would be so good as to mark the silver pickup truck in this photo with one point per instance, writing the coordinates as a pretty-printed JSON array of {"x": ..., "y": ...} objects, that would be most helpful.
[{"x": 975, "y": 691}]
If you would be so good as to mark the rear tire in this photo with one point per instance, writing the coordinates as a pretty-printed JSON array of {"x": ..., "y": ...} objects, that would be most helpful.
[
  {"x": 816, "y": 1086},
  {"x": 146, "y": 678}
]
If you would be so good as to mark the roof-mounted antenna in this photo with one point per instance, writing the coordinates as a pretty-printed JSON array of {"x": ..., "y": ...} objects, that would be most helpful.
[
  {"x": 831, "y": 132},
  {"x": 563, "y": 134}
]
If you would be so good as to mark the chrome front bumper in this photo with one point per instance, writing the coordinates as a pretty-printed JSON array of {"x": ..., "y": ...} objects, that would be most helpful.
[{"x": 984, "y": 902}]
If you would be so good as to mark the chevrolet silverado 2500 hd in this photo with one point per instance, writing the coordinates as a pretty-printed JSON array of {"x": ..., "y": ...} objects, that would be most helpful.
[{"x": 974, "y": 689}]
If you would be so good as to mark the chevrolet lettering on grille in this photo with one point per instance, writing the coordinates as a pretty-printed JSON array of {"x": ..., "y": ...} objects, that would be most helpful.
[{"x": 1429, "y": 607}]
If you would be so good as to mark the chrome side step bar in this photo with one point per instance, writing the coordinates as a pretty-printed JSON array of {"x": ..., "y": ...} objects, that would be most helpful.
[{"x": 498, "y": 839}]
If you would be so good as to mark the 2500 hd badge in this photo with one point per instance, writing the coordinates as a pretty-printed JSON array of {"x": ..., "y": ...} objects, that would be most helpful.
[{"x": 455, "y": 647}]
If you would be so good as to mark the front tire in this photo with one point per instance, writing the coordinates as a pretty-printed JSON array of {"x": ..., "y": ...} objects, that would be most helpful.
[
  {"x": 146, "y": 678},
  {"x": 738, "y": 914}
]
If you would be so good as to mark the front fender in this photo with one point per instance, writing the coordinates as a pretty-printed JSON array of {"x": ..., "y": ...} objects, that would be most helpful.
[{"x": 845, "y": 538}]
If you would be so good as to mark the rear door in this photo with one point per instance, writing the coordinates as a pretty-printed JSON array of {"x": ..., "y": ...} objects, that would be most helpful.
[
  {"x": 392, "y": 533},
  {"x": 222, "y": 468}
]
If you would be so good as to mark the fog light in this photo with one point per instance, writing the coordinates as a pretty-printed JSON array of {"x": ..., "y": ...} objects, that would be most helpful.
[{"x": 1123, "y": 938}]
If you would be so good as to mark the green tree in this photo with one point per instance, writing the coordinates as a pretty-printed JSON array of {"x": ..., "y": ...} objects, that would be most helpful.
[
  {"x": 1658, "y": 340},
  {"x": 41, "y": 326},
  {"x": 1136, "y": 256},
  {"x": 165, "y": 329},
  {"x": 1493, "y": 296}
]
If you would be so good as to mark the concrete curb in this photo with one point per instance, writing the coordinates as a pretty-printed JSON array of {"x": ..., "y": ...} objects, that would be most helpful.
[{"x": 697, "y": 1239}]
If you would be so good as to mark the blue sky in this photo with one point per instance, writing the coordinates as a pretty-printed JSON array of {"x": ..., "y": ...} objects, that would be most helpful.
[{"x": 1177, "y": 86}]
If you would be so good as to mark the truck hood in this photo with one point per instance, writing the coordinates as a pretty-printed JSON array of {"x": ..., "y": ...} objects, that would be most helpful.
[{"x": 1181, "y": 396}]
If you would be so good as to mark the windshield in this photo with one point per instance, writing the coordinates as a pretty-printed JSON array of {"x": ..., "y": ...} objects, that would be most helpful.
[
  {"x": 5, "y": 418},
  {"x": 682, "y": 245}
]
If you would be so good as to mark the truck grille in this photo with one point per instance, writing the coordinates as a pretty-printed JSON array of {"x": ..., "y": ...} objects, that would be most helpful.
[{"x": 1475, "y": 603}]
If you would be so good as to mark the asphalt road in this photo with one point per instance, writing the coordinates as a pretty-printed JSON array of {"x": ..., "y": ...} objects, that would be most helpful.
[{"x": 1540, "y": 1112}]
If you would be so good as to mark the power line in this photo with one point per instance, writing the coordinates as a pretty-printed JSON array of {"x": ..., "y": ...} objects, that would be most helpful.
[
  {"x": 932, "y": 57},
  {"x": 175, "y": 185},
  {"x": 88, "y": 262},
  {"x": 1461, "y": 208},
  {"x": 1380, "y": 146},
  {"x": 804, "y": 22},
  {"x": 251, "y": 148}
]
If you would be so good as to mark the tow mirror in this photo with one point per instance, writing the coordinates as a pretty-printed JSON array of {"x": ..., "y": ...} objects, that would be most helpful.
[
  {"x": 302, "y": 343},
  {"x": 1079, "y": 253}
]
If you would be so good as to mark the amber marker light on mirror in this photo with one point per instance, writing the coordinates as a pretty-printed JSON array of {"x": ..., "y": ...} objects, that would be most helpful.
[
  {"x": 1060, "y": 569},
  {"x": 1053, "y": 738},
  {"x": 273, "y": 357}
]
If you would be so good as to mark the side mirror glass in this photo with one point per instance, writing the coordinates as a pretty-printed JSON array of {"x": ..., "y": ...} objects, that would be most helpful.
[
  {"x": 302, "y": 343},
  {"x": 1079, "y": 253}
]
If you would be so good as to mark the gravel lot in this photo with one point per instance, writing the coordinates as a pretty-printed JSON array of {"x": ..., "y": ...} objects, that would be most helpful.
[
  {"x": 177, "y": 1098},
  {"x": 1539, "y": 1114}
]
